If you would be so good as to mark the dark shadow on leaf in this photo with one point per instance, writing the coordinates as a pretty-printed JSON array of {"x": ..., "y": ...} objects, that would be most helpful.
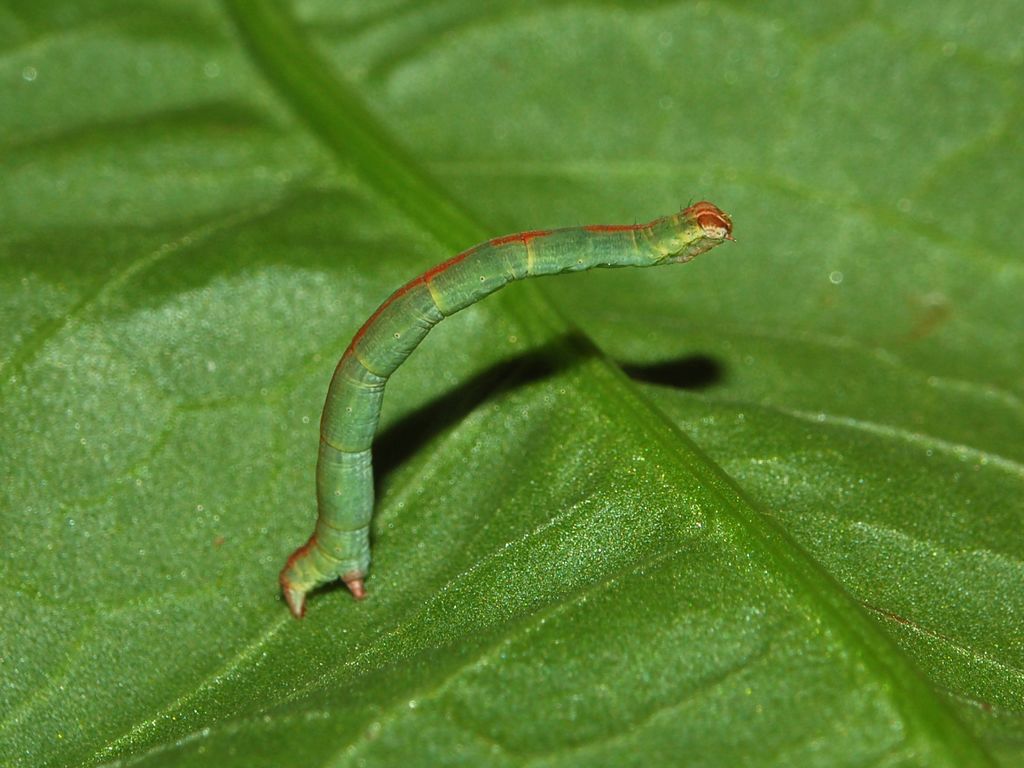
[
  {"x": 402, "y": 440},
  {"x": 695, "y": 372}
]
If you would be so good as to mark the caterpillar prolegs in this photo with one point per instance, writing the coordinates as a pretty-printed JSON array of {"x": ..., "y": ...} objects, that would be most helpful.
[{"x": 340, "y": 544}]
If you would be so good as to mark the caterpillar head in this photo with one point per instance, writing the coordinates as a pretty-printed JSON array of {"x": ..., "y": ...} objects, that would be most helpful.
[
  {"x": 713, "y": 221},
  {"x": 689, "y": 233}
]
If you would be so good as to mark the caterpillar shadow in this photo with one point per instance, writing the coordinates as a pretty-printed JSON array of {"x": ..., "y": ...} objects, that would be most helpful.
[
  {"x": 695, "y": 372},
  {"x": 403, "y": 439}
]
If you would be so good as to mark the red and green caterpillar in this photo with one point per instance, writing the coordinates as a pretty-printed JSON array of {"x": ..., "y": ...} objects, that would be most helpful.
[{"x": 340, "y": 544}]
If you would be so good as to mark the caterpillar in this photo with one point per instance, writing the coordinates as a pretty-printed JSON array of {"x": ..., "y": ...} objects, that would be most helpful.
[{"x": 340, "y": 544}]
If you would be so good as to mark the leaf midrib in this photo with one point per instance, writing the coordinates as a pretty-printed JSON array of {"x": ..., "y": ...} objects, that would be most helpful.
[{"x": 337, "y": 116}]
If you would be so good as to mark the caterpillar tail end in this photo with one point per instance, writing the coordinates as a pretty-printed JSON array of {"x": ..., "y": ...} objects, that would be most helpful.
[{"x": 302, "y": 573}]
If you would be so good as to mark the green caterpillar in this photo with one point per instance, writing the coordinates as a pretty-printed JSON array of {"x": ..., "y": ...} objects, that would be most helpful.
[{"x": 340, "y": 544}]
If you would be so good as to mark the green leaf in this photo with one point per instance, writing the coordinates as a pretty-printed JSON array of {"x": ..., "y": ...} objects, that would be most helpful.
[{"x": 791, "y": 536}]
